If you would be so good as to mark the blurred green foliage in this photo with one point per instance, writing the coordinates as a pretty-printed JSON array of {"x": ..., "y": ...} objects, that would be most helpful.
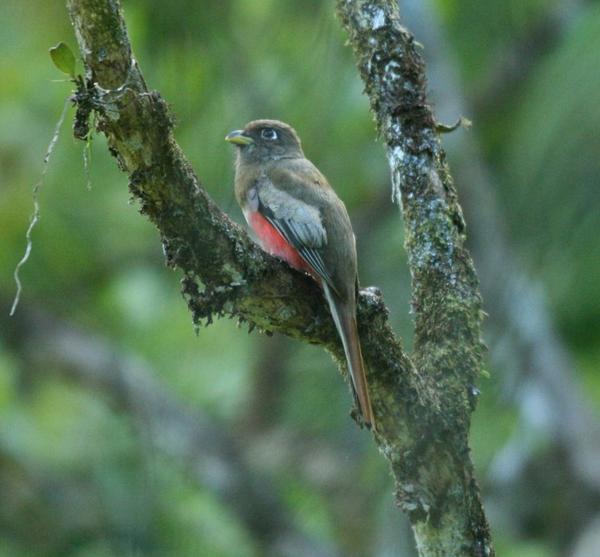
[
  {"x": 98, "y": 265},
  {"x": 553, "y": 147}
]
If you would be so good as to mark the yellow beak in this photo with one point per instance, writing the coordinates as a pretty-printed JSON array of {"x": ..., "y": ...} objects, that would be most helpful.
[{"x": 237, "y": 137}]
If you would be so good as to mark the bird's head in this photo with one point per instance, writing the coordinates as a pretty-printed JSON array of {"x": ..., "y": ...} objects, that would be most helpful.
[{"x": 264, "y": 140}]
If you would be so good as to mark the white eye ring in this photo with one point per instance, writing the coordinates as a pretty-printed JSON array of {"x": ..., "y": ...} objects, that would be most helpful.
[{"x": 269, "y": 133}]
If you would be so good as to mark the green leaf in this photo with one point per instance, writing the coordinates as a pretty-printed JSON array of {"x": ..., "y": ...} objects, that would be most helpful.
[{"x": 63, "y": 58}]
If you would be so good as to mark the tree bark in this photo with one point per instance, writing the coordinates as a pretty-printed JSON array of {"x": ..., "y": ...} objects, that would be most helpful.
[
  {"x": 446, "y": 300},
  {"x": 423, "y": 403}
]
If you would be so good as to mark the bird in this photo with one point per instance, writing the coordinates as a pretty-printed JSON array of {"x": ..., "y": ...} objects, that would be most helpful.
[{"x": 298, "y": 217}]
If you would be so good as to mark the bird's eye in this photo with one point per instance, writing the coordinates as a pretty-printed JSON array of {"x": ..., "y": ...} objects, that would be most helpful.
[{"x": 269, "y": 134}]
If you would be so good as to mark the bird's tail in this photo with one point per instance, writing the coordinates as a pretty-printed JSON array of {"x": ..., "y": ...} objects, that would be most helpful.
[{"x": 344, "y": 317}]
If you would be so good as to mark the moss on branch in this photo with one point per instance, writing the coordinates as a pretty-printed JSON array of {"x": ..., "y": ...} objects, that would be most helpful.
[{"x": 446, "y": 300}]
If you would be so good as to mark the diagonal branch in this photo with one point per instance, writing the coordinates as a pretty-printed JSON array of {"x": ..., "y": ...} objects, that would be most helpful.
[
  {"x": 225, "y": 272},
  {"x": 423, "y": 418}
]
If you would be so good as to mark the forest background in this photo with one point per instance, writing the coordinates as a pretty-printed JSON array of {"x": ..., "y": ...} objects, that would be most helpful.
[{"x": 101, "y": 391}]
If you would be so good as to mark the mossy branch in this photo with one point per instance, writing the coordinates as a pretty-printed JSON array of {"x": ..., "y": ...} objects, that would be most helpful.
[
  {"x": 422, "y": 409},
  {"x": 446, "y": 299}
]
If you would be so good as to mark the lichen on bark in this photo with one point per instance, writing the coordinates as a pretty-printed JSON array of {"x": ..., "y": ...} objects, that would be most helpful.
[{"x": 448, "y": 518}]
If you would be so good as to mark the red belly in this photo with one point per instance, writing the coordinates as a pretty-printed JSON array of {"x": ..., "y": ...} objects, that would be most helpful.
[{"x": 273, "y": 242}]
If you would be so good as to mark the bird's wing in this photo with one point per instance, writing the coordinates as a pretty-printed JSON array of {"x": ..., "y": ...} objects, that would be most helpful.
[{"x": 299, "y": 223}]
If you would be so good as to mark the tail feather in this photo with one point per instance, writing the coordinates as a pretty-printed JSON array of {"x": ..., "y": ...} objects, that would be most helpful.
[{"x": 344, "y": 317}]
